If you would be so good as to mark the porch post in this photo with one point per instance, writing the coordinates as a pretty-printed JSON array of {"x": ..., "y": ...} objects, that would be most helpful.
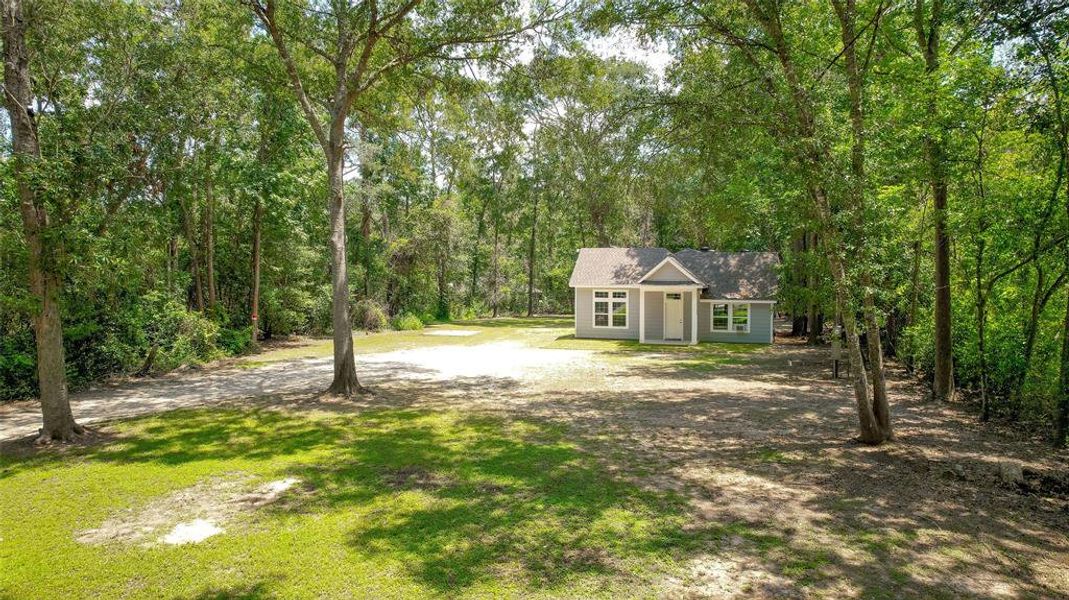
[
  {"x": 641, "y": 316},
  {"x": 694, "y": 317}
]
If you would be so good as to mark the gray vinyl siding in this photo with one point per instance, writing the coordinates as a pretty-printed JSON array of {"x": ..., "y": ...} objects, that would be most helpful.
[
  {"x": 688, "y": 314},
  {"x": 668, "y": 272},
  {"x": 654, "y": 316},
  {"x": 760, "y": 326},
  {"x": 584, "y": 316}
]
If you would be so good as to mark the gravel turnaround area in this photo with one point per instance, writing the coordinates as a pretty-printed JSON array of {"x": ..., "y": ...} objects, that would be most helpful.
[{"x": 761, "y": 443}]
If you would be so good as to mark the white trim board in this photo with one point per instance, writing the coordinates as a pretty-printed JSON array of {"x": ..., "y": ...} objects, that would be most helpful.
[{"x": 677, "y": 265}]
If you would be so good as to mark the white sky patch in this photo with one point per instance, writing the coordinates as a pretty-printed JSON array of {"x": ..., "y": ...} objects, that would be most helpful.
[{"x": 626, "y": 45}]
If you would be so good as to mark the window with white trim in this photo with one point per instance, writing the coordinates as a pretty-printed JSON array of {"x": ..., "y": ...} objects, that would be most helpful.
[
  {"x": 721, "y": 317},
  {"x": 740, "y": 318},
  {"x": 610, "y": 309},
  {"x": 727, "y": 316}
]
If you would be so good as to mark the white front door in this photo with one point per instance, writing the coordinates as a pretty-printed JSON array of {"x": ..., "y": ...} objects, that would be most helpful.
[{"x": 673, "y": 316}]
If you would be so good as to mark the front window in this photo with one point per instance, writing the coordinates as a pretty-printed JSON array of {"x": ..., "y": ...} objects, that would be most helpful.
[
  {"x": 740, "y": 318},
  {"x": 726, "y": 316},
  {"x": 721, "y": 317},
  {"x": 610, "y": 308}
]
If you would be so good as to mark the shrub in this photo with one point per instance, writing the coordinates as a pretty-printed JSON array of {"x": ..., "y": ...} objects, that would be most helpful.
[
  {"x": 407, "y": 322},
  {"x": 467, "y": 313},
  {"x": 321, "y": 306},
  {"x": 369, "y": 316},
  {"x": 18, "y": 377},
  {"x": 235, "y": 341}
]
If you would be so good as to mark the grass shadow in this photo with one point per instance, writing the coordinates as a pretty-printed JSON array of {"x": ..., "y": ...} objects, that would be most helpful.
[{"x": 452, "y": 502}]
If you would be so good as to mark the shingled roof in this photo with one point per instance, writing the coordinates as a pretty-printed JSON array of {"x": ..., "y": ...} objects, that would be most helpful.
[{"x": 726, "y": 275}]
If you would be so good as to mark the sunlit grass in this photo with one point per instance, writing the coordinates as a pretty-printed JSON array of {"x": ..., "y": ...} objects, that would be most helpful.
[{"x": 392, "y": 503}]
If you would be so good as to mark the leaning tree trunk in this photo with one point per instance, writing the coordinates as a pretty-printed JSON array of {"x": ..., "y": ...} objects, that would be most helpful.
[
  {"x": 847, "y": 12},
  {"x": 345, "y": 380},
  {"x": 813, "y": 156},
  {"x": 43, "y": 248},
  {"x": 873, "y": 413}
]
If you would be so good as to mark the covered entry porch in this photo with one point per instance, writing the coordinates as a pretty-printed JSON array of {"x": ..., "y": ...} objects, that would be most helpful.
[{"x": 668, "y": 314}]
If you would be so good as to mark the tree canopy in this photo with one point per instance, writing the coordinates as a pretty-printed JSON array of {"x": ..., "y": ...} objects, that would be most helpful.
[{"x": 184, "y": 179}]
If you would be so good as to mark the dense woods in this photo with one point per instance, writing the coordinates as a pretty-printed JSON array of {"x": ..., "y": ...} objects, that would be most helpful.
[{"x": 184, "y": 179}]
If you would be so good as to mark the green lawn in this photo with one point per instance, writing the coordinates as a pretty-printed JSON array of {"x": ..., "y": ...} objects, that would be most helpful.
[{"x": 392, "y": 503}]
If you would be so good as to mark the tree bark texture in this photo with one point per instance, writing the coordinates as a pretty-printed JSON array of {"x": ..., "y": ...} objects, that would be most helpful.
[
  {"x": 929, "y": 38},
  {"x": 44, "y": 250},
  {"x": 345, "y": 381},
  {"x": 254, "y": 308}
]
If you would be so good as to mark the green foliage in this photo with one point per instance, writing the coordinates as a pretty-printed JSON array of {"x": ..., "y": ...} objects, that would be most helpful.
[
  {"x": 369, "y": 316},
  {"x": 17, "y": 365},
  {"x": 234, "y": 341},
  {"x": 406, "y": 322},
  {"x": 468, "y": 196}
]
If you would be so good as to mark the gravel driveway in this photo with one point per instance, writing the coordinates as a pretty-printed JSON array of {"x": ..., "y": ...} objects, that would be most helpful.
[{"x": 496, "y": 364}]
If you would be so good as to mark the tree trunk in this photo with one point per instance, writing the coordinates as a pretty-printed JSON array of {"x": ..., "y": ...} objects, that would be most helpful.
[
  {"x": 254, "y": 309},
  {"x": 345, "y": 381},
  {"x": 814, "y": 319},
  {"x": 1031, "y": 329},
  {"x": 44, "y": 249},
  {"x": 928, "y": 38},
  {"x": 981, "y": 331},
  {"x": 847, "y": 12},
  {"x": 495, "y": 273},
  {"x": 800, "y": 278},
  {"x": 172, "y": 261},
  {"x": 480, "y": 229},
  {"x": 194, "y": 256},
  {"x": 812, "y": 156},
  {"x": 209, "y": 242},
  {"x": 869, "y": 420},
  {"x": 531, "y": 258}
]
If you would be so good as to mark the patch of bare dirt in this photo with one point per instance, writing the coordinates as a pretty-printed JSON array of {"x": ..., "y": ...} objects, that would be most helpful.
[
  {"x": 730, "y": 577},
  {"x": 188, "y": 515},
  {"x": 415, "y": 478}
]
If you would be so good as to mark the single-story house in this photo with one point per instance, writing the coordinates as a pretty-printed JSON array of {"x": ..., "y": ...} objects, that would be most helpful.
[{"x": 655, "y": 296}]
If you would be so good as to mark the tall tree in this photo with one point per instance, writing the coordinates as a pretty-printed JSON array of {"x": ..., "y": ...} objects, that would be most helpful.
[
  {"x": 45, "y": 247},
  {"x": 336, "y": 55},
  {"x": 928, "y": 18}
]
